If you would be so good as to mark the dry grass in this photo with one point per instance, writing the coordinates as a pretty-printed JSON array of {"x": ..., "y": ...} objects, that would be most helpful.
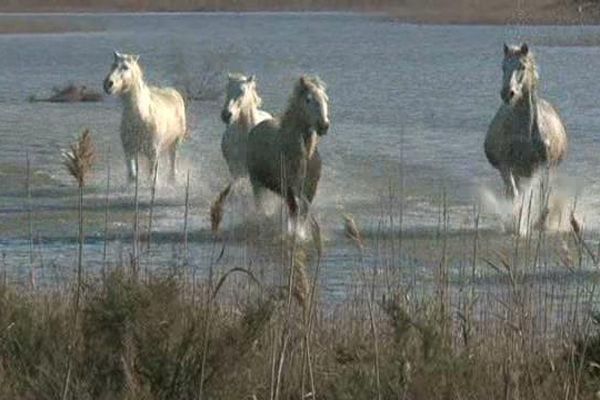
[
  {"x": 145, "y": 340},
  {"x": 216, "y": 209}
]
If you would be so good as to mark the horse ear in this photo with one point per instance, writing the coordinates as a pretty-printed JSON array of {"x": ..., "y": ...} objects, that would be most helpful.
[
  {"x": 524, "y": 49},
  {"x": 135, "y": 58},
  {"x": 117, "y": 55},
  {"x": 303, "y": 82},
  {"x": 506, "y": 49},
  {"x": 251, "y": 79}
]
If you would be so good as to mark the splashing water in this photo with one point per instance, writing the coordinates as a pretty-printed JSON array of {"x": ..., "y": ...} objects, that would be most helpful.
[{"x": 542, "y": 203}]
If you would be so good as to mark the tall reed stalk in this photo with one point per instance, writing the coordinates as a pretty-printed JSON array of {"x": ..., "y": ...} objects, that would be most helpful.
[
  {"x": 78, "y": 161},
  {"x": 106, "y": 211},
  {"x": 30, "y": 221}
]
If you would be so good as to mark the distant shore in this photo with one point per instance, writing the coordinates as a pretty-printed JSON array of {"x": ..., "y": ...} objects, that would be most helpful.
[
  {"x": 31, "y": 25},
  {"x": 495, "y": 12}
]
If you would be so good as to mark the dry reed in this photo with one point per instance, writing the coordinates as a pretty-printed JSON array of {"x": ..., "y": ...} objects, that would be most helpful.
[
  {"x": 216, "y": 209},
  {"x": 78, "y": 161}
]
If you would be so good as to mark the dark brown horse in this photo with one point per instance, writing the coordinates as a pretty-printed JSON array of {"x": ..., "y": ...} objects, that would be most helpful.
[{"x": 282, "y": 152}]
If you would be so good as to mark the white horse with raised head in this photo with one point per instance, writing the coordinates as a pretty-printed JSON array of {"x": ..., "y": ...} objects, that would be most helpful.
[
  {"x": 153, "y": 120},
  {"x": 526, "y": 132},
  {"x": 241, "y": 112},
  {"x": 282, "y": 152}
]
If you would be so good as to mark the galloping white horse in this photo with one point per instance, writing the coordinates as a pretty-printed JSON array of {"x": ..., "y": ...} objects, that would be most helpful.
[
  {"x": 240, "y": 113},
  {"x": 153, "y": 118},
  {"x": 526, "y": 132}
]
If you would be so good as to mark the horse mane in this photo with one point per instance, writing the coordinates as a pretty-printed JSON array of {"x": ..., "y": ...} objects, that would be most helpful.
[
  {"x": 139, "y": 70},
  {"x": 241, "y": 78},
  {"x": 304, "y": 83},
  {"x": 300, "y": 87},
  {"x": 529, "y": 63},
  {"x": 531, "y": 66},
  {"x": 300, "y": 90}
]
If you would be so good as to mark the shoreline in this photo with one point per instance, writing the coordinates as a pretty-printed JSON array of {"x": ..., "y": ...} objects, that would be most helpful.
[{"x": 428, "y": 12}]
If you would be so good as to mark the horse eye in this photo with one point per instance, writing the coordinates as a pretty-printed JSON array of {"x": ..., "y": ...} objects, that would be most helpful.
[{"x": 125, "y": 67}]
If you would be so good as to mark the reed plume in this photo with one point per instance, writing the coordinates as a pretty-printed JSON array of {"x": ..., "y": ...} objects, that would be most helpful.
[
  {"x": 80, "y": 158},
  {"x": 216, "y": 209},
  {"x": 79, "y": 161},
  {"x": 351, "y": 231}
]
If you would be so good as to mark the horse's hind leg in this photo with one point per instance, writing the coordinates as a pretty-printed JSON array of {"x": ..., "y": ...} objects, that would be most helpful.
[
  {"x": 152, "y": 164},
  {"x": 173, "y": 162}
]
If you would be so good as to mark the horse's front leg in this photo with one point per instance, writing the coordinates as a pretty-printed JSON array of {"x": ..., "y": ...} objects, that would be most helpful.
[
  {"x": 293, "y": 209},
  {"x": 545, "y": 191},
  {"x": 298, "y": 210},
  {"x": 510, "y": 183},
  {"x": 152, "y": 155},
  {"x": 131, "y": 163}
]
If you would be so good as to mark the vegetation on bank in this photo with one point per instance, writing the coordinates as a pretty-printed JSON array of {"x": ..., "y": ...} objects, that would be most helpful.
[
  {"x": 432, "y": 11},
  {"x": 169, "y": 338}
]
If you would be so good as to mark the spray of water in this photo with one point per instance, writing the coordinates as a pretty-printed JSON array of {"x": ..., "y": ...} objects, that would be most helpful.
[{"x": 543, "y": 203}]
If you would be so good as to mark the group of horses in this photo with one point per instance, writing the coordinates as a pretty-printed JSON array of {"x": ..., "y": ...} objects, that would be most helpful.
[{"x": 279, "y": 153}]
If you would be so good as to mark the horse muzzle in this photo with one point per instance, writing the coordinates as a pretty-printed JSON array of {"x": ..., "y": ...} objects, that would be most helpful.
[
  {"x": 323, "y": 128},
  {"x": 108, "y": 86},
  {"x": 226, "y": 116},
  {"x": 507, "y": 95}
]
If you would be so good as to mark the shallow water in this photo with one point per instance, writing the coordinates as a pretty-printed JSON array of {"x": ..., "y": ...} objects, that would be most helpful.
[{"x": 410, "y": 108}]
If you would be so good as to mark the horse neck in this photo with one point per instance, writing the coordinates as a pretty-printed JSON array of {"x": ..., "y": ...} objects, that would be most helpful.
[
  {"x": 137, "y": 99},
  {"x": 247, "y": 118},
  {"x": 527, "y": 111},
  {"x": 294, "y": 127}
]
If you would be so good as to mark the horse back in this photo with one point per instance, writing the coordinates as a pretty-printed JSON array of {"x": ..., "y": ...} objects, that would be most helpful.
[
  {"x": 167, "y": 97},
  {"x": 168, "y": 113}
]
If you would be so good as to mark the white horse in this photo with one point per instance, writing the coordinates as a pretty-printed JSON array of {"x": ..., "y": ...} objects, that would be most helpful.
[
  {"x": 240, "y": 113},
  {"x": 526, "y": 132},
  {"x": 153, "y": 118}
]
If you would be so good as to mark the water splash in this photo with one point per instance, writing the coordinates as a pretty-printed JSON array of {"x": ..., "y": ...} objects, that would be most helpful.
[{"x": 542, "y": 203}]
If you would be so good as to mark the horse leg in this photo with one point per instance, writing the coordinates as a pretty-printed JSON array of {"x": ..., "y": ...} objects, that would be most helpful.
[
  {"x": 510, "y": 184},
  {"x": 545, "y": 196},
  {"x": 293, "y": 209},
  {"x": 131, "y": 162},
  {"x": 152, "y": 155},
  {"x": 257, "y": 191},
  {"x": 173, "y": 162},
  {"x": 303, "y": 215}
]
